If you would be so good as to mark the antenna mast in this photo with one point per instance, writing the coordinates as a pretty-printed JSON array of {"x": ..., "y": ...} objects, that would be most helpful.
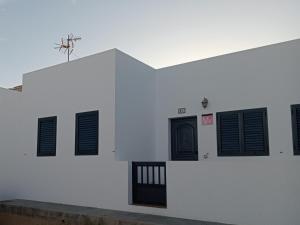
[{"x": 67, "y": 45}]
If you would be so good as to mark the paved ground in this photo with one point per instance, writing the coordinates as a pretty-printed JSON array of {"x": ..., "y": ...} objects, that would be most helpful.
[{"x": 49, "y": 211}]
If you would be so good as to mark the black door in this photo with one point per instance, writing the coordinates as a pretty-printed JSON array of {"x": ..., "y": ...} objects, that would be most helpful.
[
  {"x": 184, "y": 144},
  {"x": 149, "y": 183}
]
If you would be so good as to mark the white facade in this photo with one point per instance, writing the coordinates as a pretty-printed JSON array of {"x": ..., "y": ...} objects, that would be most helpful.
[{"x": 135, "y": 103}]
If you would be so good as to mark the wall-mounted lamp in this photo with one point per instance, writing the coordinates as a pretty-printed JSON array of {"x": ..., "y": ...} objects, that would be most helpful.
[{"x": 204, "y": 102}]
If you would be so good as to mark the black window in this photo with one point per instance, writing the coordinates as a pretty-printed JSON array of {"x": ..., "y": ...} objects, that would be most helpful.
[
  {"x": 46, "y": 145},
  {"x": 296, "y": 128},
  {"x": 243, "y": 133},
  {"x": 87, "y": 133}
]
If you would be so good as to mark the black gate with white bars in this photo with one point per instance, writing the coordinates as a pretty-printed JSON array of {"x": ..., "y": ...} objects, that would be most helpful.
[{"x": 149, "y": 183}]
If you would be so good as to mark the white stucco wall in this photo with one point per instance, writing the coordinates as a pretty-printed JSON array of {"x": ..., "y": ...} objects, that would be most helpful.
[
  {"x": 135, "y": 103},
  {"x": 240, "y": 190},
  {"x": 9, "y": 127},
  {"x": 135, "y": 109},
  {"x": 263, "y": 77},
  {"x": 63, "y": 90}
]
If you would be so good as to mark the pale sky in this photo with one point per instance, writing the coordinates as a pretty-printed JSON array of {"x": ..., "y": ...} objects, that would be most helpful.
[{"x": 158, "y": 32}]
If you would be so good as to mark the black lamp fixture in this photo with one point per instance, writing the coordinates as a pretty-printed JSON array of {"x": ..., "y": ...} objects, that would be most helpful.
[{"x": 204, "y": 102}]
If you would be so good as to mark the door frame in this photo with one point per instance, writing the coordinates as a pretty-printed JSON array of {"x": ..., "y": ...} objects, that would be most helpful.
[{"x": 170, "y": 135}]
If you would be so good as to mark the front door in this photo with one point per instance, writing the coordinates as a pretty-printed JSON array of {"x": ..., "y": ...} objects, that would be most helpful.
[{"x": 184, "y": 144}]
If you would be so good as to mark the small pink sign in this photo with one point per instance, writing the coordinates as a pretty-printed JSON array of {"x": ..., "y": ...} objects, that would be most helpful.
[{"x": 207, "y": 119}]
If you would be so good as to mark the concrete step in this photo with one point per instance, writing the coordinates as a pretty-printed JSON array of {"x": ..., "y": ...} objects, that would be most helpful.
[{"x": 25, "y": 212}]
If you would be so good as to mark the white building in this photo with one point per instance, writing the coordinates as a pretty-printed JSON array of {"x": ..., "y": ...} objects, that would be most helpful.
[{"x": 242, "y": 168}]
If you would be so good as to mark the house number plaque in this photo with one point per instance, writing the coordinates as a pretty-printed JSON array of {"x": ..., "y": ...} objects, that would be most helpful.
[{"x": 181, "y": 110}]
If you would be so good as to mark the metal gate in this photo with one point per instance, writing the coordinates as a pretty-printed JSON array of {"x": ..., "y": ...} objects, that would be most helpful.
[{"x": 149, "y": 183}]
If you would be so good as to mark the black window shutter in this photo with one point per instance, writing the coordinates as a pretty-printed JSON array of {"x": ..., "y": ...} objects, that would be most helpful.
[
  {"x": 255, "y": 132},
  {"x": 296, "y": 128},
  {"x": 229, "y": 133},
  {"x": 243, "y": 132},
  {"x": 87, "y": 133},
  {"x": 47, "y": 136}
]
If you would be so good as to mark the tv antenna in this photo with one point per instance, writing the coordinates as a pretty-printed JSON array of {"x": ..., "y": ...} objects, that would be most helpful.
[{"x": 67, "y": 45}]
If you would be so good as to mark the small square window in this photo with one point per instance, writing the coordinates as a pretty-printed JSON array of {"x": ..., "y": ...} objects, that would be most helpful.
[
  {"x": 46, "y": 145},
  {"x": 87, "y": 126}
]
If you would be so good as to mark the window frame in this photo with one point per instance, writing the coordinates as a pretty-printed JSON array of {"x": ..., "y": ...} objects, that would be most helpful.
[
  {"x": 46, "y": 153},
  {"x": 296, "y": 145},
  {"x": 79, "y": 152},
  {"x": 242, "y": 151}
]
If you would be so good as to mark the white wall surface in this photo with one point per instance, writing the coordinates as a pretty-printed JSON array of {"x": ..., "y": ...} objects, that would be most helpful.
[
  {"x": 62, "y": 91},
  {"x": 240, "y": 190},
  {"x": 9, "y": 126},
  {"x": 134, "y": 106},
  {"x": 263, "y": 77},
  {"x": 135, "y": 109},
  {"x": 243, "y": 192}
]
